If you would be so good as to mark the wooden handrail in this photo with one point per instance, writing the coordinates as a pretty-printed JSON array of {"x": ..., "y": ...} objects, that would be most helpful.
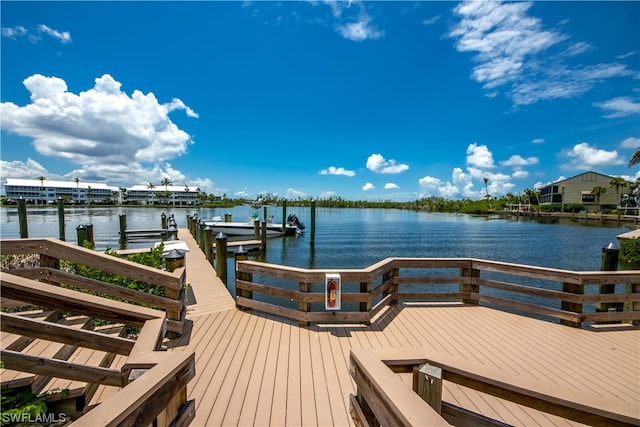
[
  {"x": 467, "y": 275},
  {"x": 157, "y": 391},
  {"x": 51, "y": 251},
  {"x": 389, "y": 398}
]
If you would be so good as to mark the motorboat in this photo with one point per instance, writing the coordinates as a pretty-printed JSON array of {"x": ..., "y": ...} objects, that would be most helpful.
[{"x": 236, "y": 228}]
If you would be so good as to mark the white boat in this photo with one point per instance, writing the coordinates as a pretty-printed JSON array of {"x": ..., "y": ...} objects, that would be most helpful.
[{"x": 231, "y": 228}]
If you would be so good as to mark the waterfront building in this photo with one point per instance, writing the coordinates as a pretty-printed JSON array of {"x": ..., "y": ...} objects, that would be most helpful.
[
  {"x": 172, "y": 195},
  {"x": 48, "y": 191},
  {"x": 579, "y": 190}
]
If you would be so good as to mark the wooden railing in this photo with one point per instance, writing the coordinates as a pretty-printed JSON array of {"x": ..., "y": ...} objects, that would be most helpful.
[
  {"x": 153, "y": 382},
  {"x": 385, "y": 399},
  {"x": 468, "y": 280},
  {"x": 51, "y": 251}
]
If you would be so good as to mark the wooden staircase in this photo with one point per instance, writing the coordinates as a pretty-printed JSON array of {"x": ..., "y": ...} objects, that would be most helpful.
[{"x": 64, "y": 395}]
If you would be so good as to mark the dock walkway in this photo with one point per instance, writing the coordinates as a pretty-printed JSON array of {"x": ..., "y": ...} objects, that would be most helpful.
[{"x": 258, "y": 369}]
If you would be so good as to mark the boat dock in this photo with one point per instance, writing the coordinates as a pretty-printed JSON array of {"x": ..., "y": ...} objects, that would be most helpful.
[
  {"x": 246, "y": 360},
  {"x": 261, "y": 369}
]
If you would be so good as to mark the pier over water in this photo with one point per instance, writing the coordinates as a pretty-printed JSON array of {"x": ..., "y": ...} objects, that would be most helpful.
[{"x": 255, "y": 368}]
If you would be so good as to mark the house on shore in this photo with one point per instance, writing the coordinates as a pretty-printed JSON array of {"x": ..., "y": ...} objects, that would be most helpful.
[{"x": 579, "y": 190}]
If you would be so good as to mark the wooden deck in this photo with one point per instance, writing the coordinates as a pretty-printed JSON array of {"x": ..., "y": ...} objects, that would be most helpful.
[{"x": 257, "y": 369}]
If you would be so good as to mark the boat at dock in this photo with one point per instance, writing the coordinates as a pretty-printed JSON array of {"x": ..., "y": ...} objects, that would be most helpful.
[{"x": 237, "y": 228}]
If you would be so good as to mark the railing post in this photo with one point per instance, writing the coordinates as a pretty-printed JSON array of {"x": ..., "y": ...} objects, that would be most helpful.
[
  {"x": 572, "y": 288},
  {"x": 241, "y": 254},
  {"x": 61, "y": 218},
  {"x": 427, "y": 382},
  {"x": 393, "y": 289},
  {"x": 365, "y": 287},
  {"x": 221, "y": 257},
  {"x": 468, "y": 274},
  {"x": 303, "y": 305},
  {"x": 47, "y": 261},
  {"x": 174, "y": 259},
  {"x": 22, "y": 218}
]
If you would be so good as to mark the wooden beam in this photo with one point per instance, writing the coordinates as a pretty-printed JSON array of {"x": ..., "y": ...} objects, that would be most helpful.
[
  {"x": 49, "y": 331},
  {"x": 60, "y": 369},
  {"x": 140, "y": 402},
  {"x": 76, "y": 302}
]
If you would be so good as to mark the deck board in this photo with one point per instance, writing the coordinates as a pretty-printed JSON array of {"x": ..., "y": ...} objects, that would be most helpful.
[{"x": 258, "y": 369}]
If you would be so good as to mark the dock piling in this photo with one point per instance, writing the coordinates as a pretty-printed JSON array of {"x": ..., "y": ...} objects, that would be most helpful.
[
  {"x": 61, "y": 218},
  {"x": 312, "y": 238},
  {"x": 22, "y": 218},
  {"x": 609, "y": 263},
  {"x": 221, "y": 257},
  {"x": 208, "y": 243}
]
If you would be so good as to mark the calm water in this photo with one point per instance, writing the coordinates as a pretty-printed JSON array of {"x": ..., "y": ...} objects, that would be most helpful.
[{"x": 355, "y": 238}]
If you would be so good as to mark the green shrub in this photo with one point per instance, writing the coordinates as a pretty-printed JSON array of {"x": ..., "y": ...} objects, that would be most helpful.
[
  {"x": 630, "y": 252},
  {"x": 574, "y": 207}
]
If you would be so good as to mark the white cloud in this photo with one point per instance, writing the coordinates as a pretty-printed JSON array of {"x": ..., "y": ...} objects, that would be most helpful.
[
  {"x": 630, "y": 142},
  {"x": 35, "y": 36},
  {"x": 25, "y": 170},
  {"x": 391, "y": 186},
  {"x": 517, "y": 160},
  {"x": 377, "y": 163},
  {"x": 515, "y": 53},
  {"x": 479, "y": 156},
  {"x": 293, "y": 193},
  {"x": 520, "y": 174},
  {"x": 429, "y": 181},
  {"x": 100, "y": 126},
  {"x": 332, "y": 170},
  {"x": 626, "y": 55},
  {"x": 360, "y": 30},
  {"x": 327, "y": 194},
  {"x": 241, "y": 194},
  {"x": 14, "y": 32},
  {"x": 620, "y": 107},
  {"x": 431, "y": 20},
  {"x": 538, "y": 141},
  {"x": 583, "y": 156},
  {"x": 368, "y": 186},
  {"x": 63, "y": 36}
]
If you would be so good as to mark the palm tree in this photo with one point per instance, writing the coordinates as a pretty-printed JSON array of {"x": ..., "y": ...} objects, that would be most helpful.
[
  {"x": 42, "y": 178},
  {"x": 562, "y": 188},
  {"x": 486, "y": 190},
  {"x": 617, "y": 183},
  {"x": 635, "y": 159},
  {"x": 166, "y": 182},
  {"x": 89, "y": 190},
  {"x": 151, "y": 186},
  {"x": 598, "y": 191},
  {"x": 77, "y": 181}
]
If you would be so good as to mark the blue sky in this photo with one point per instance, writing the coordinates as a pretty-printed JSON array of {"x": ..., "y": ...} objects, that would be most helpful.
[{"x": 362, "y": 100}]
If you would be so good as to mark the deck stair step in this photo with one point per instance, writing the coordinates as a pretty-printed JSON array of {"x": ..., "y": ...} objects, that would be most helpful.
[
  {"x": 77, "y": 393},
  {"x": 42, "y": 348},
  {"x": 16, "y": 342}
]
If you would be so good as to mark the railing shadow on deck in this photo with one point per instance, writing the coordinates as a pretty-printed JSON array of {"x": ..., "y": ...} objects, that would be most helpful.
[{"x": 559, "y": 295}]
